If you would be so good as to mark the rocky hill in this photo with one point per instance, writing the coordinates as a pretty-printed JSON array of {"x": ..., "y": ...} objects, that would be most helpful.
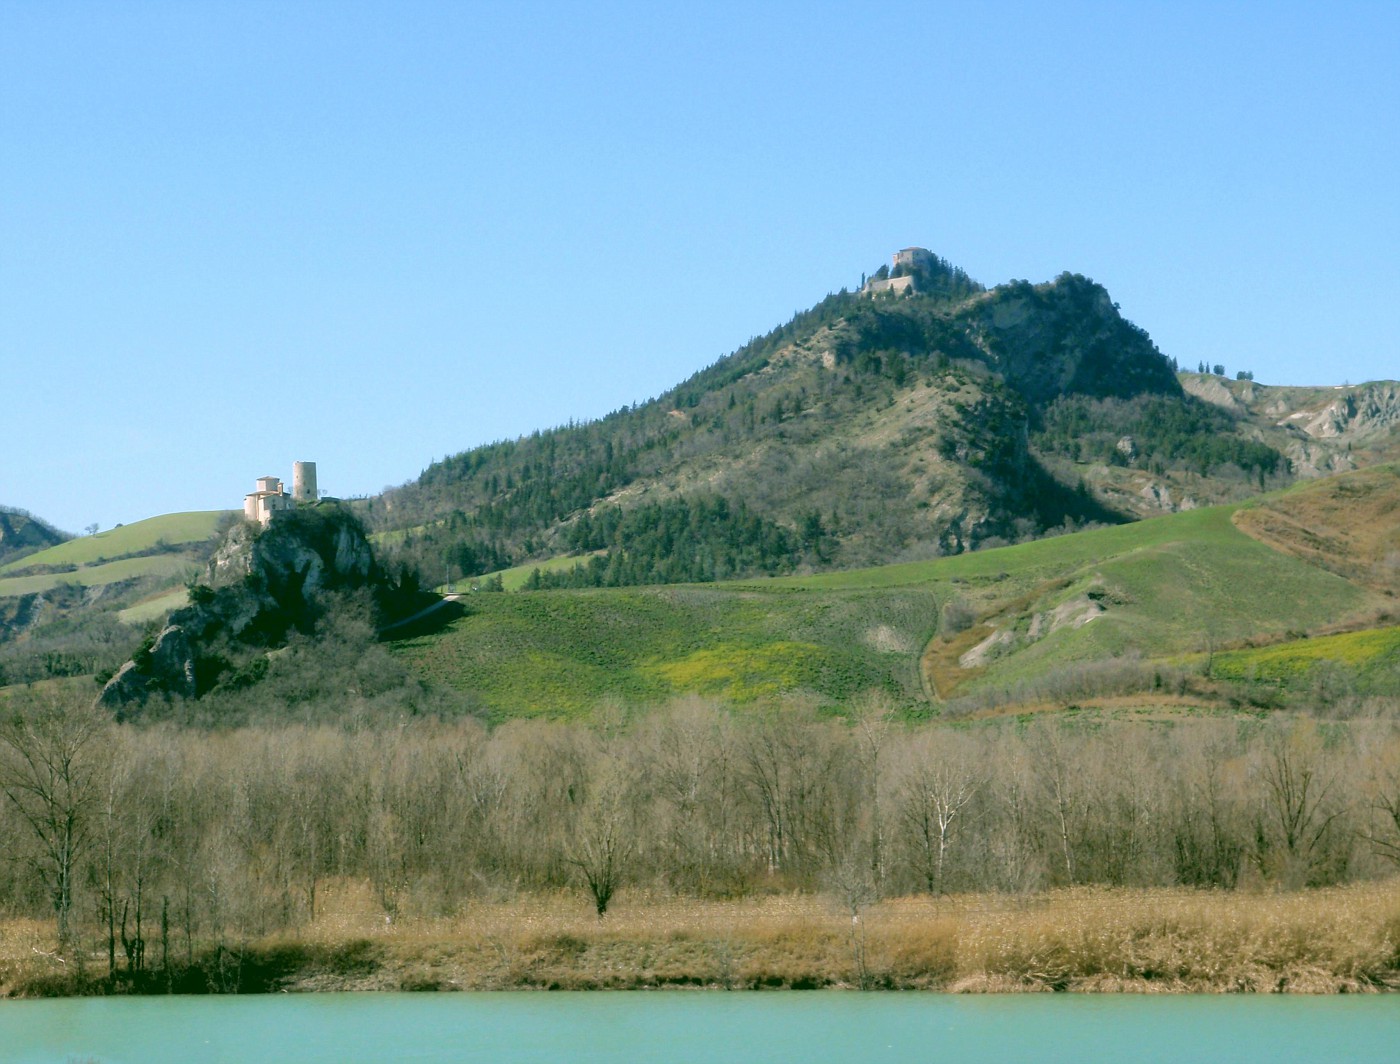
[
  {"x": 265, "y": 586},
  {"x": 1330, "y": 429},
  {"x": 932, "y": 419}
]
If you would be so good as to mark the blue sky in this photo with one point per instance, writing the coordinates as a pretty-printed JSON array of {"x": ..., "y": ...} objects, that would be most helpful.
[{"x": 370, "y": 235}]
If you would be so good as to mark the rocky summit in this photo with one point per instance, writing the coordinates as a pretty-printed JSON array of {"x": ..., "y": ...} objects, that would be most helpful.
[{"x": 264, "y": 583}]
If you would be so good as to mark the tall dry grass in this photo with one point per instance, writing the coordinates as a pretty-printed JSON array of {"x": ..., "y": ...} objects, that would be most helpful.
[{"x": 1345, "y": 939}]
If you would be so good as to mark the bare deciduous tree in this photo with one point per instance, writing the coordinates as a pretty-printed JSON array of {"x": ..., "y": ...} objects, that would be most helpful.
[
  {"x": 1296, "y": 806},
  {"x": 604, "y": 835},
  {"x": 936, "y": 786},
  {"x": 48, "y": 772}
]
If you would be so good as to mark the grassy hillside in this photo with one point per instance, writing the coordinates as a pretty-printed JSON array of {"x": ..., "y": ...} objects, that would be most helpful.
[
  {"x": 560, "y": 653},
  {"x": 21, "y": 533},
  {"x": 172, "y": 530},
  {"x": 1005, "y": 619},
  {"x": 1185, "y": 582},
  {"x": 1349, "y": 525},
  {"x": 159, "y": 549},
  {"x": 153, "y": 607},
  {"x": 516, "y": 577},
  {"x": 1367, "y": 661},
  {"x": 157, "y": 566},
  {"x": 68, "y": 610}
]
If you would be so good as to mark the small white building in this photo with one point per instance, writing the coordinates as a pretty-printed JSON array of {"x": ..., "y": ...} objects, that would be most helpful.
[{"x": 270, "y": 496}]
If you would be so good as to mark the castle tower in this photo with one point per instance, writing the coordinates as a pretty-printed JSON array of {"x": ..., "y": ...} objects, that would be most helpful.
[
  {"x": 304, "y": 481},
  {"x": 914, "y": 258}
]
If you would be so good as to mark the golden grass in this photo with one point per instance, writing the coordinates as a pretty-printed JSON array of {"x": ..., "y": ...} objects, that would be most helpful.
[
  {"x": 1346, "y": 524},
  {"x": 1325, "y": 941}
]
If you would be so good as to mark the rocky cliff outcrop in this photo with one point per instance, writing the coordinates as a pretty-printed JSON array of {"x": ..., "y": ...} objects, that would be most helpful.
[
  {"x": 324, "y": 552},
  {"x": 1321, "y": 430},
  {"x": 264, "y": 584},
  {"x": 167, "y": 667},
  {"x": 1359, "y": 413}
]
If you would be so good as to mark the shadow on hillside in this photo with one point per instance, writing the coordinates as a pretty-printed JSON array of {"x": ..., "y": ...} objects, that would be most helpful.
[
  {"x": 1054, "y": 502},
  {"x": 434, "y": 619}
]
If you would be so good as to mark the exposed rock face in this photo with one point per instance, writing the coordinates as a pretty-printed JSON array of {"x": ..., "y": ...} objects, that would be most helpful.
[
  {"x": 1314, "y": 460},
  {"x": 323, "y": 552},
  {"x": 269, "y": 583},
  {"x": 1365, "y": 411},
  {"x": 129, "y": 686},
  {"x": 19, "y": 614},
  {"x": 168, "y": 667},
  {"x": 172, "y": 661},
  {"x": 232, "y": 558},
  {"x": 1074, "y": 613},
  {"x": 1158, "y": 496},
  {"x": 343, "y": 559},
  {"x": 1320, "y": 430},
  {"x": 1213, "y": 390},
  {"x": 999, "y": 642}
]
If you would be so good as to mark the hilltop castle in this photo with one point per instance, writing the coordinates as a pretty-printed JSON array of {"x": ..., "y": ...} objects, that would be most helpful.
[
  {"x": 907, "y": 263},
  {"x": 270, "y": 498}
]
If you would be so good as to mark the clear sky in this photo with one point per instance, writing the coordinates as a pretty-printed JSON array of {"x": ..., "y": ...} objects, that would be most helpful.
[{"x": 233, "y": 235}]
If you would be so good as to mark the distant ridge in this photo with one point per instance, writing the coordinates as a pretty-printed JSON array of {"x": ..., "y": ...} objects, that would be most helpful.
[{"x": 22, "y": 533}]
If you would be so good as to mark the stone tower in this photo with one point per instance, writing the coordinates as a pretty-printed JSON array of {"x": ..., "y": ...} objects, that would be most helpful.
[{"x": 304, "y": 481}]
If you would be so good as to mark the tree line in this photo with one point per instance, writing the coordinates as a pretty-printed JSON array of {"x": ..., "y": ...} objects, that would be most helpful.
[
  {"x": 682, "y": 540},
  {"x": 148, "y": 842},
  {"x": 1182, "y": 433}
]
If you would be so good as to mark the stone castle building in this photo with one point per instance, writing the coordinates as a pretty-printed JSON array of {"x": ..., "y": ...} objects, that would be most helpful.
[
  {"x": 270, "y": 496},
  {"x": 906, "y": 264}
]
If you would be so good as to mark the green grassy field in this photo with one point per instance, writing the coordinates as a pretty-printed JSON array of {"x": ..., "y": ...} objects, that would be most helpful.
[
  {"x": 1364, "y": 658},
  {"x": 1167, "y": 586},
  {"x": 173, "y": 529},
  {"x": 151, "y": 608},
  {"x": 1045, "y": 559},
  {"x": 1206, "y": 585},
  {"x": 563, "y": 652},
  {"x": 168, "y": 566},
  {"x": 102, "y": 559}
]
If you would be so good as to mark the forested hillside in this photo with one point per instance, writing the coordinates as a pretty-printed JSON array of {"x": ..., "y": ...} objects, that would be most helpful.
[{"x": 869, "y": 428}]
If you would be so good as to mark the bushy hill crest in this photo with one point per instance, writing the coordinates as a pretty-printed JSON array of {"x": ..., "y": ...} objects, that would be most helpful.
[{"x": 1065, "y": 338}]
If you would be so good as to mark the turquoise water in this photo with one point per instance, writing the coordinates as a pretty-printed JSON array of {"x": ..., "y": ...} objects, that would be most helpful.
[{"x": 699, "y": 1028}]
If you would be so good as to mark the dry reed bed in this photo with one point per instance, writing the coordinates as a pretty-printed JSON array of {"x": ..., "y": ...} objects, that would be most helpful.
[
  {"x": 1338, "y": 940},
  {"x": 1325, "y": 941}
]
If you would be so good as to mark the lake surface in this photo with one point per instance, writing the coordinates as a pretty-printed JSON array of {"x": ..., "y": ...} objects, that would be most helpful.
[{"x": 699, "y": 1028}]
